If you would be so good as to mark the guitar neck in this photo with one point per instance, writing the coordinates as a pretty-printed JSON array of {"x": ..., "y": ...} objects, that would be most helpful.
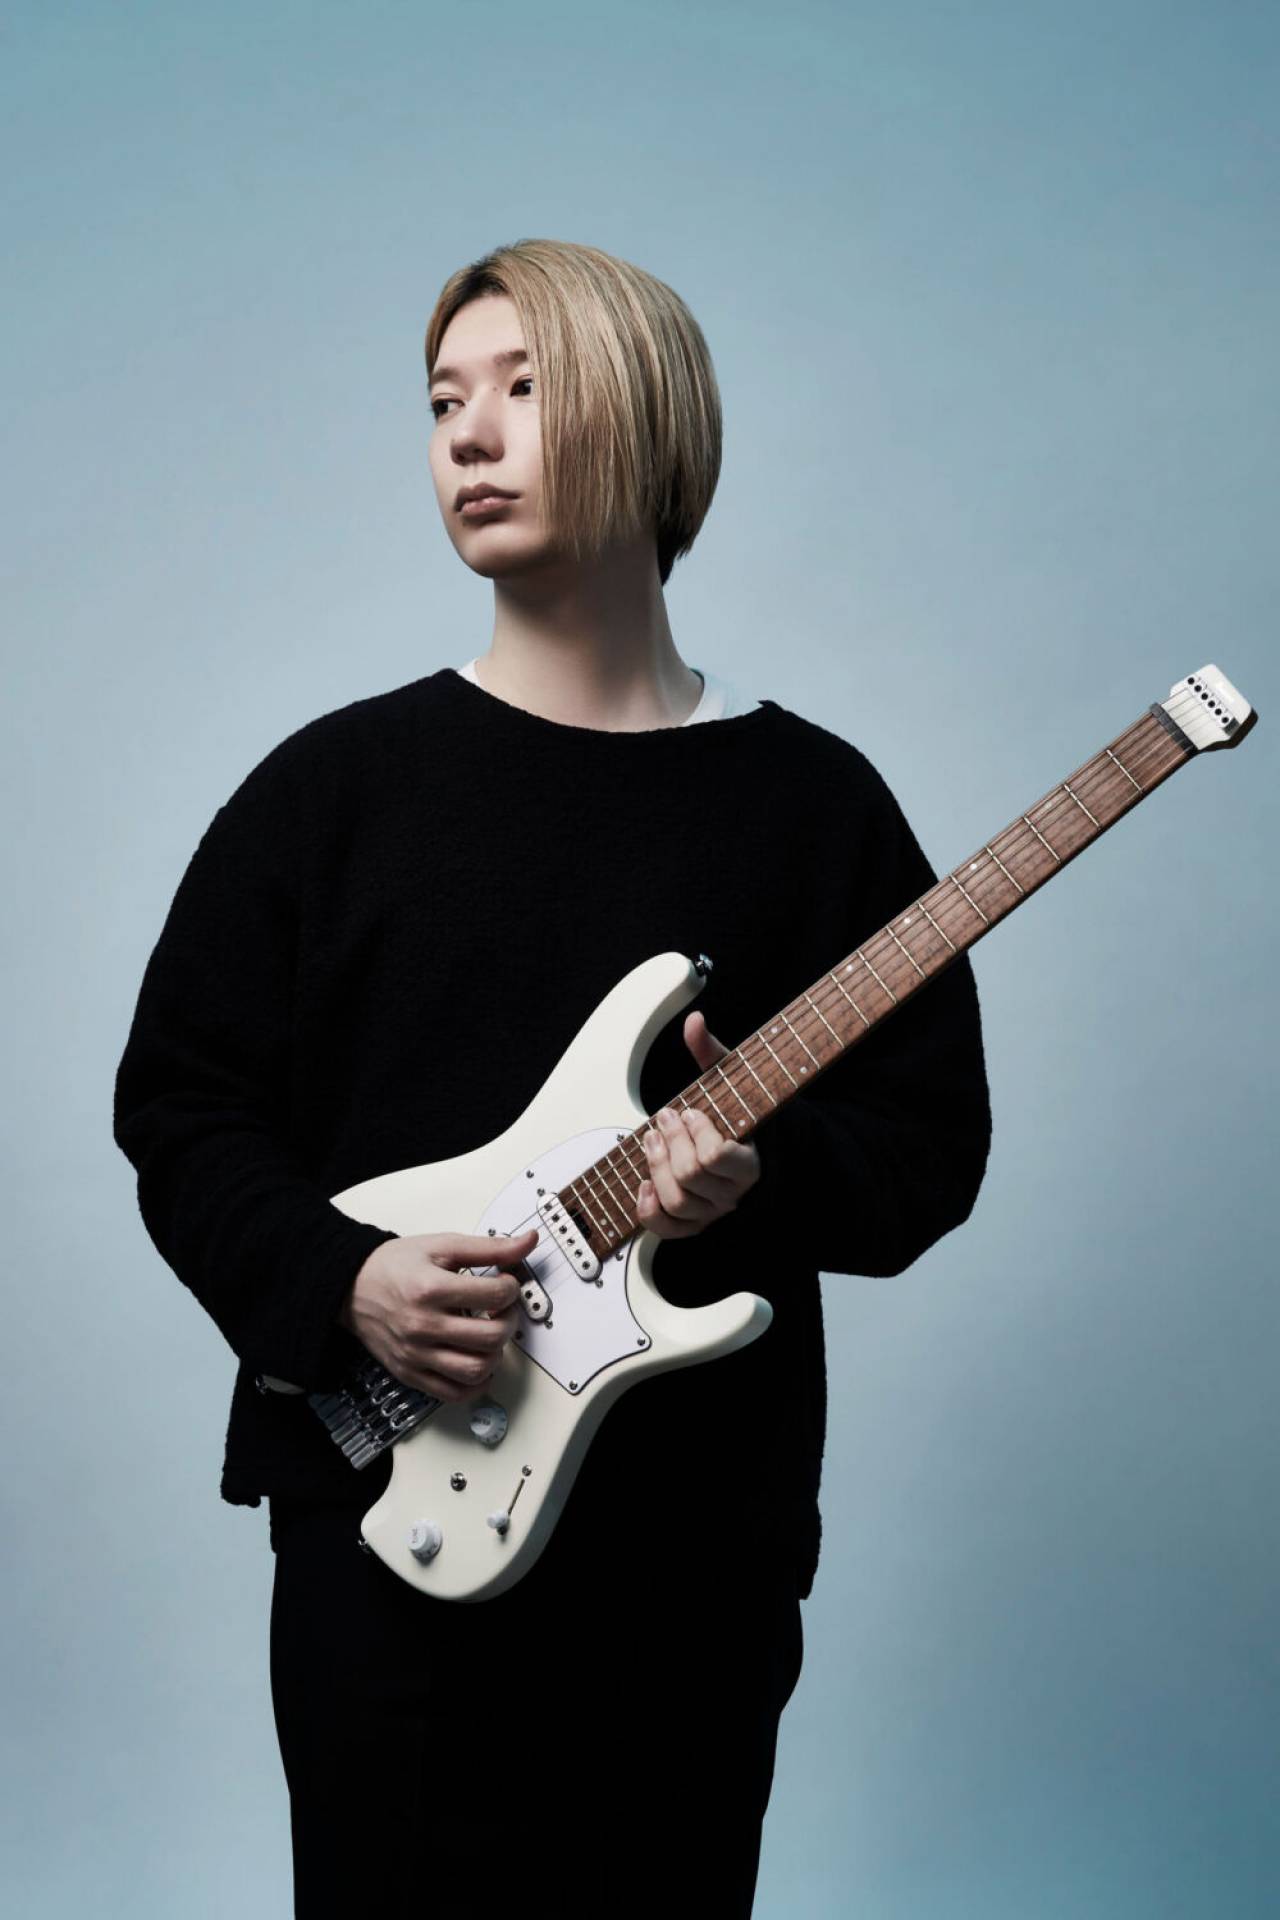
[{"x": 867, "y": 986}]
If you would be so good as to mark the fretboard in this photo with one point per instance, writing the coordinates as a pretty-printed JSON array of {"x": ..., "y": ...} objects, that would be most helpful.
[{"x": 867, "y": 986}]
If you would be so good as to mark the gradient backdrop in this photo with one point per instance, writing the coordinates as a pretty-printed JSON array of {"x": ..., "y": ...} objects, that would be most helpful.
[{"x": 992, "y": 293}]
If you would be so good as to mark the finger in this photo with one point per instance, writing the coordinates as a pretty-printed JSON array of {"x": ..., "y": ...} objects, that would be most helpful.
[
  {"x": 681, "y": 1193},
  {"x": 718, "y": 1153},
  {"x": 426, "y": 1380},
  {"x": 468, "y": 1370},
  {"x": 655, "y": 1217},
  {"x": 701, "y": 1042},
  {"x": 471, "y": 1293},
  {"x": 472, "y": 1336},
  {"x": 696, "y": 1150},
  {"x": 456, "y": 1250}
]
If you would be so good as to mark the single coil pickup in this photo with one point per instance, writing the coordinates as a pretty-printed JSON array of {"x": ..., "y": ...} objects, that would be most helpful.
[{"x": 569, "y": 1234}]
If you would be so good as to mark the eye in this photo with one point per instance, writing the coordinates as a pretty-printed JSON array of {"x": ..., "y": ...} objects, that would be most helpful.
[{"x": 525, "y": 380}]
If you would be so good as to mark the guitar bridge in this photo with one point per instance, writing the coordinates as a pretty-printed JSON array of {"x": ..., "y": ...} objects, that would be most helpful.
[{"x": 371, "y": 1412}]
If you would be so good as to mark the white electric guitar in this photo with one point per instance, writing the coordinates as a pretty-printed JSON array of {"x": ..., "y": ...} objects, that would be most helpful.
[{"x": 478, "y": 1484}]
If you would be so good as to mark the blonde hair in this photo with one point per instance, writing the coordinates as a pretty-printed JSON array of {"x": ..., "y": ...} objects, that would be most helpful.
[{"x": 629, "y": 407}]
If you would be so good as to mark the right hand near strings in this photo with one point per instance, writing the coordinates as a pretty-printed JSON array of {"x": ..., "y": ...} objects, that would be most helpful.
[{"x": 407, "y": 1306}]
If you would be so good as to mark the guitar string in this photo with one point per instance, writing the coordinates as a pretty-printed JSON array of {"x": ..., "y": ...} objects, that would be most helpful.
[
  {"x": 1058, "y": 798},
  {"x": 947, "y": 913},
  {"x": 1098, "y": 769}
]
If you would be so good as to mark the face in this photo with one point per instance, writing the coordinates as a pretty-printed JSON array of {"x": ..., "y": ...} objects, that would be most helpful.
[{"x": 486, "y": 433}]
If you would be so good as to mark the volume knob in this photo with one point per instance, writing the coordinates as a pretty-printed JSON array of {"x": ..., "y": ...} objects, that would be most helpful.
[
  {"x": 488, "y": 1423},
  {"x": 425, "y": 1540}
]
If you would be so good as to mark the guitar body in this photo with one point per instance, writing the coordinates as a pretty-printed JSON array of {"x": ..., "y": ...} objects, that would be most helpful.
[
  {"x": 478, "y": 1484},
  {"x": 600, "y": 1335}
]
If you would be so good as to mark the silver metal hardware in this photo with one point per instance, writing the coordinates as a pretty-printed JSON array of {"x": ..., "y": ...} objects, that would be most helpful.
[{"x": 567, "y": 1239}]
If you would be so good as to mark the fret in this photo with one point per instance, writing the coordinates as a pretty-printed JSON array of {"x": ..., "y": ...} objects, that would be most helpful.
[
  {"x": 937, "y": 929},
  {"x": 1004, "y": 870},
  {"x": 915, "y": 963},
  {"x": 582, "y": 1201},
  {"x": 791, "y": 1077},
  {"x": 837, "y": 1037},
  {"x": 756, "y": 1077},
  {"x": 1043, "y": 842},
  {"x": 1069, "y": 822},
  {"x": 622, "y": 1149},
  {"x": 728, "y": 1125},
  {"x": 977, "y": 909},
  {"x": 796, "y": 1035},
  {"x": 983, "y": 874},
  {"x": 604, "y": 1196},
  {"x": 917, "y": 944},
  {"x": 719, "y": 1067},
  {"x": 1079, "y": 802},
  {"x": 870, "y": 969},
  {"x": 849, "y": 997},
  {"x": 1125, "y": 771}
]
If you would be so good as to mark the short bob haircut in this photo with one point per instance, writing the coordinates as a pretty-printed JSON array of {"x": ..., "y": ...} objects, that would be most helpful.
[{"x": 629, "y": 407}]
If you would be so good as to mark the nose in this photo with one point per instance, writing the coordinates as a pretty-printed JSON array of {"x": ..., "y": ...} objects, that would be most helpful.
[{"x": 475, "y": 427}]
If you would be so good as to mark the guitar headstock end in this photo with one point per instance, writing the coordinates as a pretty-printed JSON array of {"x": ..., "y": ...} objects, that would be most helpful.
[{"x": 1209, "y": 710}]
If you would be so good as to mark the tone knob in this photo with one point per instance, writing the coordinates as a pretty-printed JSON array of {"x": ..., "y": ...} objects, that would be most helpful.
[
  {"x": 425, "y": 1540},
  {"x": 489, "y": 1423}
]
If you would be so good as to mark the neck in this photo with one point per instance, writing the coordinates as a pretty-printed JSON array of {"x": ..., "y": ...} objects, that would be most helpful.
[
  {"x": 867, "y": 986},
  {"x": 588, "y": 644}
]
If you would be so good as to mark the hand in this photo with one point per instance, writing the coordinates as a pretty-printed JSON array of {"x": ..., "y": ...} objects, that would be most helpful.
[
  {"x": 698, "y": 1173},
  {"x": 416, "y": 1313}
]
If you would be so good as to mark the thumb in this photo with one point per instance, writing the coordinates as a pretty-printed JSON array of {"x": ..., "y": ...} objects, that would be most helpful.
[{"x": 701, "y": 1042}]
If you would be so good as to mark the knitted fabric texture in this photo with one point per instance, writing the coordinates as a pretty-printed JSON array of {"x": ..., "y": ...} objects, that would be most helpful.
[{"x": 381, "y": 947}]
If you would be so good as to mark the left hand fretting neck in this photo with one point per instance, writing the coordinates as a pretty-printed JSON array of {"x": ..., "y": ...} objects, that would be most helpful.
[{"x": 864, "y": 988}]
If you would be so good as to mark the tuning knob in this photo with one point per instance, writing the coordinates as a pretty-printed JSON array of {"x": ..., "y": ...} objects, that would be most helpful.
[
  {"x": 425, "y": 1540},
  {"x": 489, "y": 1423}
]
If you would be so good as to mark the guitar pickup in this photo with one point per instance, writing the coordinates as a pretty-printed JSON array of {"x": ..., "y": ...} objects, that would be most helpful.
[
  {"x": 534, "y": 1297},
  {"x": 567, "y": 1235}
]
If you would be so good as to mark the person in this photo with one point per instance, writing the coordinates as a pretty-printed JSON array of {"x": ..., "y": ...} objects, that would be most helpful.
[{"x": 382, "y": 945}]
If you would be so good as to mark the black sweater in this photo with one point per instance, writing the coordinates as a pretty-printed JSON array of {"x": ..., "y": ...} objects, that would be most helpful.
[{"x": 381, "y": 947}]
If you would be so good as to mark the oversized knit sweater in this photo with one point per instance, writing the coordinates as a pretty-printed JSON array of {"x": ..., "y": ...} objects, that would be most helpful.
[{"x": 381, "y": 947}]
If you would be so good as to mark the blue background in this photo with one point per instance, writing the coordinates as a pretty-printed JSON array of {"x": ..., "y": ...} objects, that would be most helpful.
[{"x": 992, "y": 295}]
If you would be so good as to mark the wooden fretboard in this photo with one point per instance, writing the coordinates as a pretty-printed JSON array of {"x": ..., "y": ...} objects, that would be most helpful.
[
  {"x": 373, "y": 1409},
  {"x": 866, "y": 986}
]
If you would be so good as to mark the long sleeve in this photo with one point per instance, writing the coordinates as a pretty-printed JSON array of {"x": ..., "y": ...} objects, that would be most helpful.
[
  {"x": 885, "y": 1153},
  {"x": 201, "y": 1096}
]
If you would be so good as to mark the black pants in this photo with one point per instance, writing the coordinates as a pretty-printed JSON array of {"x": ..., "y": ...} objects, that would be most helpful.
[{"x": 601, "y": 1736}]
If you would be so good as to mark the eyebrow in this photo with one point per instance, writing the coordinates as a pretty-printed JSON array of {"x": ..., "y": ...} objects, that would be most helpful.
[{"x": 510, "y": 358}]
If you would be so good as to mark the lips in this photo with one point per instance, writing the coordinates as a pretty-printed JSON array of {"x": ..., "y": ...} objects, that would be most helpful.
[{"x": 476, "y": 496}]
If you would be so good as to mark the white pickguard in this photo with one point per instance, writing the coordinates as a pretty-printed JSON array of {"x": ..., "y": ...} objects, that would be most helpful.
[
  {"x": 591, "y": 1324},
  {"x": 602, "y": 1335}
]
